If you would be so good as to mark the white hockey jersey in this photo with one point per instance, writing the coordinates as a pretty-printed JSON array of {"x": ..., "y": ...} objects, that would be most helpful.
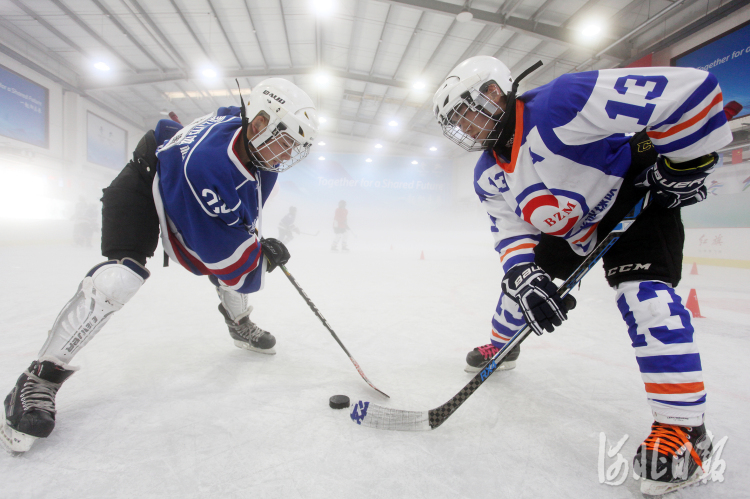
[{"x": 571, "y": 150}]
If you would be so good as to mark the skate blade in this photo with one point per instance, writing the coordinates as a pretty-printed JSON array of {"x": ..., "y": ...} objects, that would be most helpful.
[
  {"x": 14, "y": 442},
  {"x": 248, "y": 346},
  {"x": 652, "y": 488},
  {"x": 505, "y": 366}
]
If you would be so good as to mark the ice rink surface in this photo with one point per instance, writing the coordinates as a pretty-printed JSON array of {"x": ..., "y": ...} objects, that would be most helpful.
[{"x": 165, "y": 406}]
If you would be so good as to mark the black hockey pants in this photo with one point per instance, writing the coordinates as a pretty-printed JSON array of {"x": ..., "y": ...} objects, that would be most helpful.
[{"x": 130, "y": 224}]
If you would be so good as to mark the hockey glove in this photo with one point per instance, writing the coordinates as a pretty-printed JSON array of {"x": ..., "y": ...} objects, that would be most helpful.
[
  {"x": 678, "y": 184},
  {"x": 275, "y": 252},
  {"x": 535, "y": 293}
]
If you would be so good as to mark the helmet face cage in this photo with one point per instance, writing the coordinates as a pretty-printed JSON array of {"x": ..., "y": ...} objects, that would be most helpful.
[
  {"x": 471, "y": 121},
  {"x": 282, "y": 151}
]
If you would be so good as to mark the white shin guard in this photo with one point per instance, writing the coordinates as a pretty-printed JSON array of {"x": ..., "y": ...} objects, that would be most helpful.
[
  {"x": 104, "y": 290},
  {"x": 234, "y": 303}
]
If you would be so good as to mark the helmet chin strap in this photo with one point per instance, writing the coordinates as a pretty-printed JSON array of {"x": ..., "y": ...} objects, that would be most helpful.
[
  {"x": 504, "y": 143},
  {"x": 252, "y": 160}
]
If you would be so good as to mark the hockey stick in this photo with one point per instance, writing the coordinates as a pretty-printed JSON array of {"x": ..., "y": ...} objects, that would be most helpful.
[
  {"x": 325, "y": 323},
  {"x": 385, "y": 418}
]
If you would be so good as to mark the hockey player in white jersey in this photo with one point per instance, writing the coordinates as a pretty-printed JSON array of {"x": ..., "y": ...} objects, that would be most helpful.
[
  {"x": 204, "y": 187},
  {"x": 561, "y": 165}
]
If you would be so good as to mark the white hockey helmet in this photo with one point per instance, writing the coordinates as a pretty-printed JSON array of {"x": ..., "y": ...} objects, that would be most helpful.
[
  {"x": 292, "y": 122},
  {"x": 464, "y": 90}
]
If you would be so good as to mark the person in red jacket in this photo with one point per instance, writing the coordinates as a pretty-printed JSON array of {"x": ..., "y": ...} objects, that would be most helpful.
[{"x": 340, "y": 227}]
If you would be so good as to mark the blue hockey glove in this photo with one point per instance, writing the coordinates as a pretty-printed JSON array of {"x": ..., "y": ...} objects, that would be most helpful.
[
  {"x": 275, "y": 252},
  {"x": 535, "y": 293},
  {"x": 678, "y": 184}
]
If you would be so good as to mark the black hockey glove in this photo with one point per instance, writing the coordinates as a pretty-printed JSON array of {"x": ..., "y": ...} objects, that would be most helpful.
[
  {"x": 275, "y": 252},
  {"x": 678, "y": 184},
  {"x": 529, "y": 286}
]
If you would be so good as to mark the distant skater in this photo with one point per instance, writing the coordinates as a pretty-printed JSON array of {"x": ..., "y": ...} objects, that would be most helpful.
[
  {"x": 340, "y": 227},
  {"x": 287, "y": 228}
]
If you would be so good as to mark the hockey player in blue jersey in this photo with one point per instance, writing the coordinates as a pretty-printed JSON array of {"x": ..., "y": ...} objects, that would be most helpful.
[
  {"x": 561, "y": 165},
  {"x": 204, "y": 188}
]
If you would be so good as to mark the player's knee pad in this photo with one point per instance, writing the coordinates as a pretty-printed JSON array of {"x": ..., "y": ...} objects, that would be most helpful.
[
  {"x": 104, "y": 290},
  {"x": 234, "y": 303}
]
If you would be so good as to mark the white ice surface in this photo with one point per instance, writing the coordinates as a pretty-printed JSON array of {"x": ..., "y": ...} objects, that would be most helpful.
[{"x": 166, "y": 407}]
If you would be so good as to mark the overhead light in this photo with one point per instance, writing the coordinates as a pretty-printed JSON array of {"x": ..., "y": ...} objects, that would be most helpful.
[
  {"x": 418, "y": 85},
  {"x": 414, "y": 162},
  {"x": 322, "y": 79},
  {"x": 322, "y": 120},
  {"x": 393, "y": 123},
  {"x": 591, "y": 30},
  {"x": 101, "y": 66},
  {"x": 209, "y": 73},
  {"x": 433, "y": 148},
  {"x": 368, "y": 160},
  {"x": 323, "y": 7},
  {"x": 464, "y": 16},
  {"x": 378, "y": 146},
  {"x": 321, "y": 143},
  {"x": 321, "y": 158}
]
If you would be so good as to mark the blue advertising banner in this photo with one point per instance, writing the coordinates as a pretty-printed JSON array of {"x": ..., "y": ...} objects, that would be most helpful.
[
  {"x": 23, "y": 109},
  {"x": 106, "y": 144},
  {"x": 728, "y": 58}
]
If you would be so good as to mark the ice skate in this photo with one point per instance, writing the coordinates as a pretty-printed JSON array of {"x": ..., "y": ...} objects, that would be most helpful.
[
  {"x": 674, "y": 457},
  {"x": 30, "y": 407},
  {"x": 246, "y": 334},
  {"x": 478, "y": 358}
]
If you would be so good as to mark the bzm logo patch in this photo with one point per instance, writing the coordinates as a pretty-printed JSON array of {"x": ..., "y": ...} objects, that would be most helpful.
[
  {"x": 627, "y": 268},
  {"x": 274, "y": 96},
  {"x": 359, "y": 411},
  {"x": 552, "y": 215},
  {"x": 488, "y": 370}
]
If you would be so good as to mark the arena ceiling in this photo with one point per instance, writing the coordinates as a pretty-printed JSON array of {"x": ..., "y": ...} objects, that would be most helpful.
[{"x": 366, "y": 63}]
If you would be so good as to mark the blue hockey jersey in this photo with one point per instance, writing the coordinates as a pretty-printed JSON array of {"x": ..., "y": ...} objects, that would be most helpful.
[
  {"x": 209, "y": 203},
  {"x": 571, "y": 150}
]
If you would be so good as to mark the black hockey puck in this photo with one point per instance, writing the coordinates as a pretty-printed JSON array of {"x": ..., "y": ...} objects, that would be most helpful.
[{"x": 339, "y": 402}]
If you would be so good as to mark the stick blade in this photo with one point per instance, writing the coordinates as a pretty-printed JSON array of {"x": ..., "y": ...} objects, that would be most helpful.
[{"x": 366, "y": 413}]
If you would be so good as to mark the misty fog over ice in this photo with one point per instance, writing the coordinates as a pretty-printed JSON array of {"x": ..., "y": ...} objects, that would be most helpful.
[{"x": 165, "y": 406}]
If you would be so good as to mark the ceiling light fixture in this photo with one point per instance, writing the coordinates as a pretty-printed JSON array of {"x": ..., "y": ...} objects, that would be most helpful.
[
  {"x": 322, "y": 120},
  {"x": 393, "y": 123},
  {"x": 433, "y": 148},
  {"x": 321, "y": 143},
  {"x": 415, "y": 162},
  {"x": 464, "y": 16},
  {"x": 101, "y": 66},
  {"x": 368, "y": 160},
  {"x": 378, "y": 146},
  {"x": 321, "y": 158},
  {"x": 322, "y": 79},
  {"x": 209, "y": 73},
  {"x": 418, "y": 85},
  {"x": 591, "y": 30},
  {"x": 323, "y": 7}
]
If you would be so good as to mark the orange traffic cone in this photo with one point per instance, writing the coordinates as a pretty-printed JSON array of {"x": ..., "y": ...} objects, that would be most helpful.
[
  {"x": 694, "y": 270},
  {"x": 421, "y": 257},
  {"x": 692, "y": 305}
]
